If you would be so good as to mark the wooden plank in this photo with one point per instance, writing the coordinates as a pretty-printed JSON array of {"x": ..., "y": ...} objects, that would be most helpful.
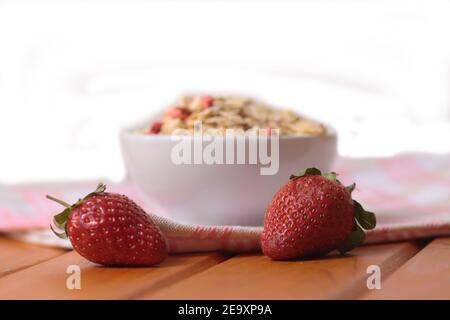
[
  {"x": 48, "y": 280},
  {"x": 257, "y": 277},
  {"x": 15, "y": 255},
  {"x": 425, "y": 276}
]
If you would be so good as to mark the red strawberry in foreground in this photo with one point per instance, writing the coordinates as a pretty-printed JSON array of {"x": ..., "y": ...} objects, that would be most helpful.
[
  {"x": 111, "y": 229},
  {"x": 313, "y": 214}
]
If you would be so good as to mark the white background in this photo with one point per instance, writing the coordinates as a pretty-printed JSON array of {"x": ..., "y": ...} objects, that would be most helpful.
[{"x": 73, "y": 72}]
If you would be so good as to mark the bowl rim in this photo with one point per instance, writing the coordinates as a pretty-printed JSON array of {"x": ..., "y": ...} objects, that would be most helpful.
[{"x": 131, "y": 132}]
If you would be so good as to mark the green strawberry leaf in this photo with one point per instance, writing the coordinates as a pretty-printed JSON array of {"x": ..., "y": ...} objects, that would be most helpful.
[
  {"x": 60, "y": 219},
  {"x": 315, "y": 172},
  {"x": 306, "y": 172},
  {"x": 366, "y": 219},
  {"x": 59, "y": 234},
  {"x": 100, "y": 189},
  {"x": 354, "y": 239},
  {"x": 330, "y": 176},
  {"x": 351, "y": 187}
]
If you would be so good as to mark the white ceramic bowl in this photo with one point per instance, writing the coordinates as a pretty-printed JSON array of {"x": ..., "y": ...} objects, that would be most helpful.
[{"x": 218, "y": 194}]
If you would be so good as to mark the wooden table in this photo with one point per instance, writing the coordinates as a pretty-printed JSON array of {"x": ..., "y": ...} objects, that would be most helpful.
[{"x": 409, "y": 270}]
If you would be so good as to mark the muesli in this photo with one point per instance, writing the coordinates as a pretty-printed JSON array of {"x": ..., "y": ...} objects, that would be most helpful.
[{"x": 218, "y": 113}]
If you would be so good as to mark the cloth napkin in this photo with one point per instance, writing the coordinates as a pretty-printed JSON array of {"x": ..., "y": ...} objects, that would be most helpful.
[{"x": 409, "y": 193}]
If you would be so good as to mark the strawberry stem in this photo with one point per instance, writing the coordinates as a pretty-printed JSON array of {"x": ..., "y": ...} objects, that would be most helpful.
[{"x": 61, "y": 202}]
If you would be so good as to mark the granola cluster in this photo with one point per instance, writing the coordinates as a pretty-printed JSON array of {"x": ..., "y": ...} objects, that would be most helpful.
[{"x": 218, "y": 113}]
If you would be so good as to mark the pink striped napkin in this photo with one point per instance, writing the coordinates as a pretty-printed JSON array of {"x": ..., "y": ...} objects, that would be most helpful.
[{"x": 409, "y": 193}]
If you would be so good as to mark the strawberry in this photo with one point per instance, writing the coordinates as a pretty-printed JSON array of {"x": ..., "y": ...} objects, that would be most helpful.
[
  {"x": 207, "y": 101},
  {"x": 178, "y": 113},
  {"x": 155, "y": 128},
  {"x": 313, "y": 214},
  {"x": 110, "y": 229}
]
